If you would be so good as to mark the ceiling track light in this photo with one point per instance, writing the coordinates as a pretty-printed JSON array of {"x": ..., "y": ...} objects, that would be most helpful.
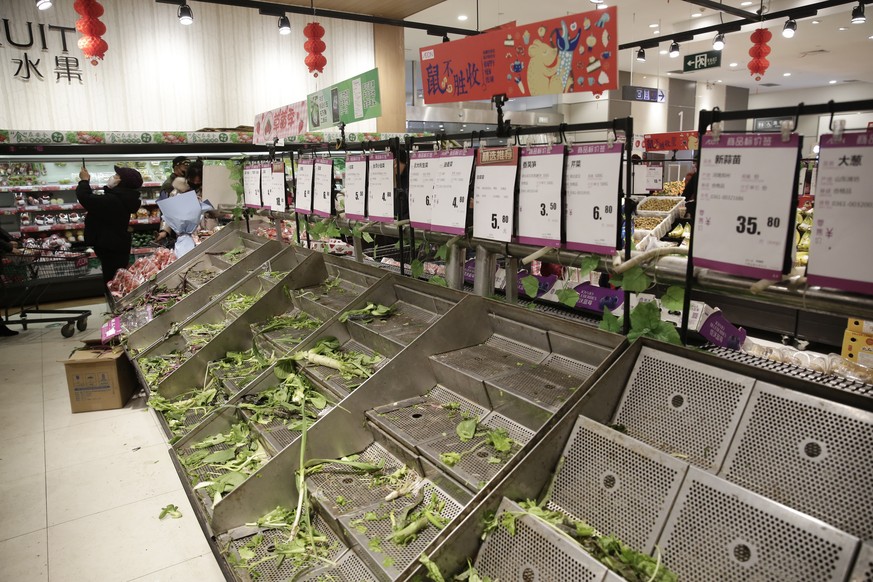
[
  {"x": 641, "y": 55},
  {"x": 284, "y": 25},
  {"x": 674, "y": 49},
  {"x": 790, "y": 28},
  {"x": 597, "y": 1},
  {"x": 718, "y": 43},
  {"x": 858, "y": 13},
  {"x": 43, "y": 4},
  {"x": 446, "y": 38},
  {"x": 186, "y": 15}
]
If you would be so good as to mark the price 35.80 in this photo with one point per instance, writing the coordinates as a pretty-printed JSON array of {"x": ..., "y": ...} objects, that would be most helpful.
[{"x": 749, "y": 224}]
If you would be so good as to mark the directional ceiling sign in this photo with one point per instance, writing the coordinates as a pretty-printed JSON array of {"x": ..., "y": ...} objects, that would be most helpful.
[
  {"x": 700, "y": 61},
  {"x": 649, "y": 94}
]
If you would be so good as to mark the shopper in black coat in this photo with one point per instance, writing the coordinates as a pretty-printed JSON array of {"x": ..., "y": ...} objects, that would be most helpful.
[{"x": 108, "y": 219}]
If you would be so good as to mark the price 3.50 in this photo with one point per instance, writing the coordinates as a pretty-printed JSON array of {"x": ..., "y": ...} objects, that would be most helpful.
[{"x": 749, "y": 224}]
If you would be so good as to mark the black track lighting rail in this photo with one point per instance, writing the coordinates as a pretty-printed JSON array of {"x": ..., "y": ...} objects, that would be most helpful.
[{"x": 274, "y": 9}]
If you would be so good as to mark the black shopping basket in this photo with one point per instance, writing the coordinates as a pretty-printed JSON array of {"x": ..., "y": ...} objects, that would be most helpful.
[{"x": 28, "y": 273}]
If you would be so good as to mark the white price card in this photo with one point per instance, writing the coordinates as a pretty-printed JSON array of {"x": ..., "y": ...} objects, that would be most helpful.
[
  {"x": 305, "y": 177},
  {"x": 451, "y": 189},
  {"x": 540, "y": 208},
  {"x": 654, "y": 176},
  {"x": 356, "y": 187},
  {"x": 252, "y": 186},
  {"x": 745, "y": 200},
  {"x": 277, "y": 200},
  {"x": 322, "y": 191},
  {"x": 494, "y": 193},
  {"x": 592, "y": 188},
  {"x": 839, "y": 254},
  {"x": 422, "y": 169},
  {"x": 266, "y": 183},
  {"x": 380, "y": 188}
]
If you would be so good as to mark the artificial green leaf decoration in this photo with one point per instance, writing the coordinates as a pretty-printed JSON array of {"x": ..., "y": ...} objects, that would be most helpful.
[
  {"x": 439, "y": 281},
  {"x": 646, "y": 322},
  {"x": 568, "y": 297},
  {"x": 416, "y": 268},
  {"x": 442, "y": 252},
  {"x": 531, "y": 286},
  {"x": 673, "y": 299},
  {"x": 634, "y": 280},
  {"x": 610, "y": 322},
  {"x": 588, "y": 264},
  {"x": 367, "y": 237}
]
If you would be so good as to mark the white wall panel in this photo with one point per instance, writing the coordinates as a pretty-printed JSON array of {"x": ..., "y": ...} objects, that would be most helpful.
[{"x": 159, "y": 75}]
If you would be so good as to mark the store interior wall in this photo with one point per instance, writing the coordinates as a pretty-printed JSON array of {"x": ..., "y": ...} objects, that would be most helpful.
[{"x": 161, "y": 76}]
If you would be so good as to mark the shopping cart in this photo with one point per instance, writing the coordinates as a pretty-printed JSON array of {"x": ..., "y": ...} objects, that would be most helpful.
[{"x": 24, "y": 277}]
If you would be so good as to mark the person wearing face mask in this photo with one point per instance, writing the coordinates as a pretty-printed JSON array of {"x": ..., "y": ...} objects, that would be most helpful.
[{"x": 107, "y": 223}]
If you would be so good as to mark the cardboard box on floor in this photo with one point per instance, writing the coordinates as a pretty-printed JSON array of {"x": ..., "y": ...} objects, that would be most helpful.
[{"x": 99, "y": 379}]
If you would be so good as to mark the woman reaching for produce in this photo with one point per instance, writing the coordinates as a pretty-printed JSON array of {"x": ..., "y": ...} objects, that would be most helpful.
[{"x": 107, "y": 224}]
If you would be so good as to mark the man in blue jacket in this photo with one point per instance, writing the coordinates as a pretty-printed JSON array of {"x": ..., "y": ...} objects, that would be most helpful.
[{"x": 107, "y": 224}]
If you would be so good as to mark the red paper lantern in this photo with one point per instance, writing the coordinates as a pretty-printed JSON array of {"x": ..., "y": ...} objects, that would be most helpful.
[
  {"x": 90, "y": 26},
  {"x": 759, "y": 64},
  {"x": 93, "y": 47},
  {"x": 90, "y": 8},
  {"x": 314, "y": 46}
]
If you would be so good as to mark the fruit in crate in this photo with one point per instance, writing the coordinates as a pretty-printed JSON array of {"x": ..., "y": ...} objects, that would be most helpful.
[
  {"x": 686, "y": 232},
  {"x": 673, "y": 188},
  {"x": 142, "y": 213},
  {"x": 45, "y": 200},
  {"x": 803, "y": 245},
  {"x": 676, "y": 232},
  {"x": 657, "y": 204},
  {"x": 647, "y": 222},
  {"x": 802, "y": 258}
]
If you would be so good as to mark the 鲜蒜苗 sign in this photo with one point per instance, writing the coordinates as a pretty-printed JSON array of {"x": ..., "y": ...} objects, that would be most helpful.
[
  {"x": 348, "y": 101},
  {"x": 570, "y": 54}
]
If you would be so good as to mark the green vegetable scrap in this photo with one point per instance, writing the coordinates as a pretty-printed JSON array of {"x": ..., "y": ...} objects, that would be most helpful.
[
  {"x": 433, "y": 571},
  {"x": 171, "y": 511},
  {"x": 471, "y": 575},
  {"x": 610, "y": 551},
  {"x": 200, "y": 334},
  {"x": 194, "y": 402},
  {"x": 351, "y": 365},
  {"x": 241, "y": 455},
  {"x": 497, "y": 439},
  {"x": 414, "y": 519},
  {"x": 276, "y": 275},
  {"x": 300, "y": 321},
  {"x": 367, "y": 314},
  {"x": 156, "y": 368},
  {"x": 241, "y": 367},
  {"x": 332, "y": 283},
  {"x": 466, "y": 429},
  {"x": 285, "y": 402},
  {"x": 233, "y": 256},
  {"x": 239, "y": 302}
]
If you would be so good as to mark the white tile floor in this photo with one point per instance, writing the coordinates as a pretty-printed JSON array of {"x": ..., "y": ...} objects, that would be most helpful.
[{"x": 80, "y": 493}]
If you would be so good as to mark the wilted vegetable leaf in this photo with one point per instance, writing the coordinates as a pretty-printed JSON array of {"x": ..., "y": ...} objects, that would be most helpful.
[
  {"x": 466, "y": 429},
  {"x": 450, "y": 459},
  {"x": 170, "y": 510}
]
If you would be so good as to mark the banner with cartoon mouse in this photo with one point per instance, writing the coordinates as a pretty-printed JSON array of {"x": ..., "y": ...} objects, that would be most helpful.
[{"x": 570, "y": 54}]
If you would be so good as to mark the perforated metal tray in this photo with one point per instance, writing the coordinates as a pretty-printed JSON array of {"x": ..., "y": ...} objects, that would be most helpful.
[
  {"x": 863, "y": 570},
  {"x": 547, "y": 385},
  {"x": 720, "y": 531},
  {"x": 617, "y": 484},
  {"x": 425, "y": 418},
  {"x": 349, "y": 568},
  {"x": 333, "y": 381},
  {"x": 808, "y": 453},
  {"x": 401, "y": 556},
  {"x": 474, "y": 469},
  {"x": 354, "y": 488},
  {"x": 276, "y": 434},
  {"x": 683, "y": 407},
  {"x": 284, "y": 339},
  {"x": 534, "y": 554},
  {"x": 268, "y": 572}
]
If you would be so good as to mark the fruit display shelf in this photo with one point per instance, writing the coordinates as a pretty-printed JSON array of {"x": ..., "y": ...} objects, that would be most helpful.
[{"x": 58, "y": 187}]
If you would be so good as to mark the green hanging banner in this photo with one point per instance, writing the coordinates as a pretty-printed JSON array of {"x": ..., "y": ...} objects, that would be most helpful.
[{"x": 348, "y": 101}]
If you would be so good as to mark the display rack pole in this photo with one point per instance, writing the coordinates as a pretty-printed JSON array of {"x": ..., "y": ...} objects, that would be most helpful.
[{"x": 627, "y": 204}]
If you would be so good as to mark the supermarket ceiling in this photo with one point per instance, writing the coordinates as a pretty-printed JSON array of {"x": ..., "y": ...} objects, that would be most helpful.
[
  {"x": 826, "y": 47},
  {"x": 383, "y": 8}
]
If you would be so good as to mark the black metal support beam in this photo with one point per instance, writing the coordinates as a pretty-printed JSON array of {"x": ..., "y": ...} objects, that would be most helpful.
[
  {"x": 274, "y": 9},
  {"x": 719, "y": 7}
]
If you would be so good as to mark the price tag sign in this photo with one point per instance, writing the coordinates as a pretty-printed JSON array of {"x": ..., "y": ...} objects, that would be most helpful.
[
  {"x": 421, "y": 188},
  {"x": 539, "y": 195},
  {"x": 745, "y": 207},
  {"x": 322, "y": 191},
  {"x": 843, "y": 213},
  {"x": 592, "y": 184},
  {"x": 265, "y": 181},
  {"x": 252, "y": 186},
  {"x": 654, "y": 177},
  {"x": 380, "y": 188},
  {"x": 277, "y": 187},
  {"x": 356, "y": 187},
  {"x": 451, "y": 189},
  {"x": 494, "y": 193},
  {"x": 305, "y": 177}
]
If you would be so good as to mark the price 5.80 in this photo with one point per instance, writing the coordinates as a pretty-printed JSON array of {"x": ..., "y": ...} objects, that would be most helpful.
[
  {"x": 504, "y": 219},
  {"x": 749, "y": 224}
]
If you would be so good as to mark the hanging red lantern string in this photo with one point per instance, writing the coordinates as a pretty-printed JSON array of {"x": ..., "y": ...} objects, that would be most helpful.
[
  {"x": 759, "y": 51},
  {"x": 91, "y": 43},
  {"x": 314, "y": 47}
]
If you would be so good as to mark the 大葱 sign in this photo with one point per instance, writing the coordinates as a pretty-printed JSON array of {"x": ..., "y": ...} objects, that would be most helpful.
[{"x": 700, "y": 61}]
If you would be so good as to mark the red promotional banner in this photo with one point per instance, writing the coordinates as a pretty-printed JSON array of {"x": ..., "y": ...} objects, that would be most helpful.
[
  {"x": 570, "y": 54},
  {"x": 675, "y": 140},
  {"x": 284, "y": 122}
]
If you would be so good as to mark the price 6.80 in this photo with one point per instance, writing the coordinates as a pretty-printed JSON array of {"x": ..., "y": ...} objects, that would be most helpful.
[
  {"x": 749, "y": 224},
  {"x": 503, "y": 219}
]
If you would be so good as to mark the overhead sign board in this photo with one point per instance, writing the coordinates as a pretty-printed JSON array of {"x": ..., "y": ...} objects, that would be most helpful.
[
  {"x": 348, "y": 101},
  {"x": 700, "y": 61},
  {"x": 649, "y": 94}
]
